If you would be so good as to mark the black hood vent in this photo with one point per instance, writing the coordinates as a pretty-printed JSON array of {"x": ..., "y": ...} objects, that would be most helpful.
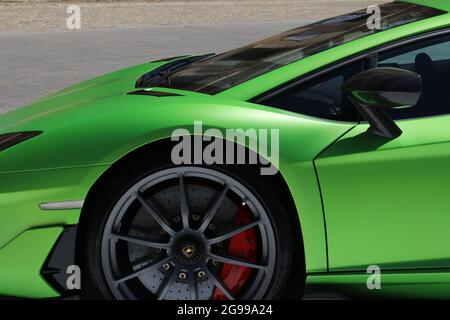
[{"x": 154, "y": 93}]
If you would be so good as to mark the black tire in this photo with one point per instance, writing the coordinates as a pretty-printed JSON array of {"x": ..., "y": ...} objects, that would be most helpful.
[{"x": 102, "y": 202}]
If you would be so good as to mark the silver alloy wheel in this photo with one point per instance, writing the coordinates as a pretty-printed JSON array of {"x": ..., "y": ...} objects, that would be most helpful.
[{"x": 165, "y": 237}]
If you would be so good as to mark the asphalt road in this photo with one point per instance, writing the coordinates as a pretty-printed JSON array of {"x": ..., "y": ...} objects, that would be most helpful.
[{"x": 34, "y": 65}]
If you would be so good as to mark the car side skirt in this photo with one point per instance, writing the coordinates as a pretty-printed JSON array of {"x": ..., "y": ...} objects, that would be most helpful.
[{"x": 407, "y": 284}]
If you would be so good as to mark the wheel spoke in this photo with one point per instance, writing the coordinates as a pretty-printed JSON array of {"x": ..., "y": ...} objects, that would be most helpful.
[
  {"x": 193, "y": 286},
  {"x": 155, "y": 214},
  {"x": 141, "y": 241},
  {"x": 219, "y": 284},
  {"x": 184, "y": 203},
  {"x": 234, "y": 232},
  {"x": 213, "y": 209},
  {"x": 147, "y": 268},
  {"x": 166, "y": 285},
  {"x": 236, "y": 261}
]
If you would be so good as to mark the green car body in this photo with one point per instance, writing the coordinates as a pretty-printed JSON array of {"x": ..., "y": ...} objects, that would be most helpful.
[{"x": 360, "y": 200}]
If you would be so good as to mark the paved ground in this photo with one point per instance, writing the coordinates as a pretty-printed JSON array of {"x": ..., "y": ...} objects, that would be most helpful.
[
  {"x": 32, "y": 17},
  {"x": 34, "y": 65}
]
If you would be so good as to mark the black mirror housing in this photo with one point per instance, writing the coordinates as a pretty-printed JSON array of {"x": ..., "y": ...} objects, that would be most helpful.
[{"x": 374, "y": 90}]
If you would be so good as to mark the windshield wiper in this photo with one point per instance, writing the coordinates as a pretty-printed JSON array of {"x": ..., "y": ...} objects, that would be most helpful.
[{"x": 164, "y": 73}]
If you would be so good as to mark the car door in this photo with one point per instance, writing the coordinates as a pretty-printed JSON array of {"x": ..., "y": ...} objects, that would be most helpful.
[{"x": 387, "y": 202}]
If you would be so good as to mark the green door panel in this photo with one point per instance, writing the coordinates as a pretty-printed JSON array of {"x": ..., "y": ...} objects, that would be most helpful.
[
  {"x": 387, "y": 202},
  {"x": 21, "y": 262}
]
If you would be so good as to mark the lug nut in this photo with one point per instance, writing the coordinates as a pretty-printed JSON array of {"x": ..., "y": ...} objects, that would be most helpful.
[
  {"x": 201, "y": 274},
  {"x": 212, "y": 227},
  {"x": 166, "y": 266},
  {"x": 215, "y": 262},
  {"x": 182, "y": 276},
  {"x": 195, "y": 217},
  {"x": 176, "y": 219}
]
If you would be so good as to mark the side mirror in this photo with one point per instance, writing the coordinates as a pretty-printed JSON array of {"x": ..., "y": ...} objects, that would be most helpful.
[{"x": 374, "y": 90}]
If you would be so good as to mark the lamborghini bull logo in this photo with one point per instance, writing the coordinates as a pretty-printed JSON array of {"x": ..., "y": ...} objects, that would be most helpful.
[
  {"x": 188, "y": 251},
  {"x": 235, "y": 146}
]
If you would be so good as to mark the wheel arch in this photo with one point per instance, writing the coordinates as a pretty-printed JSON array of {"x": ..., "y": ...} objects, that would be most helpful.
[{"x": 163, "y": 146}]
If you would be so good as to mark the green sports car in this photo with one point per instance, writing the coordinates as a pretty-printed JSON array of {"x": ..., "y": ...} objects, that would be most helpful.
[{"x": 119, "y": 187}]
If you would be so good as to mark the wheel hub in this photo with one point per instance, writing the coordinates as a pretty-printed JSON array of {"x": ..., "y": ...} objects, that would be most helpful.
[{"x": 189, "y": 250}]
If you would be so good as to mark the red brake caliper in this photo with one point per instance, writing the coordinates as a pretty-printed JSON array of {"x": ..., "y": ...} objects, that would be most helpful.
[{"x": 243, "y": 246}]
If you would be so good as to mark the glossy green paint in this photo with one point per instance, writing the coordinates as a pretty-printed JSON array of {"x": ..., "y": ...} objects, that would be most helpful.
[
  {"x": 22, "y": 192},
  {"x": 90, "y": 126},
  {"x": 113, "y": 126},
  {"x": 96, "y": 134},
  {"x": 90, "y": 135},
  {"x": 438, "y": 4},
  {"x": 387, "y": 201},
  {"x": 21, "y": 262}
]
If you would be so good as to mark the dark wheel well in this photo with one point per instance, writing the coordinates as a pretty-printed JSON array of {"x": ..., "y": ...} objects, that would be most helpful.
[{"x": 163, "y": 147}]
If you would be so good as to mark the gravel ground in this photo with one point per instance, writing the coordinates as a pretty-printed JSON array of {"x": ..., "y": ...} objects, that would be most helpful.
[{"x": 25, "y": 16}]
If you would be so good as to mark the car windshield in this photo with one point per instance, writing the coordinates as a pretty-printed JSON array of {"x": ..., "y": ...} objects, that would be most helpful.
[{"x": 229, "y": 69}]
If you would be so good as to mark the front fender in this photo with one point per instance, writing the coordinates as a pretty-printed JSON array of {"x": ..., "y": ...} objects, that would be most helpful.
[{"x": 98, "y": 133}]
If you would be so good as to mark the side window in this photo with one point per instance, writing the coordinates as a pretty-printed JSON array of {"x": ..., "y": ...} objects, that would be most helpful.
[
  {"x": 321, "y": 97},
  {"x": 431, "y": 60}
]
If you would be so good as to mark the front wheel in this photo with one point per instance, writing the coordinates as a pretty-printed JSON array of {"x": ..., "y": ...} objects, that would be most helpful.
[{"x": 188, "y": 233}]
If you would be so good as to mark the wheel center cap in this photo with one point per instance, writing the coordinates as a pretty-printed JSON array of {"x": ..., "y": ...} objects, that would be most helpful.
[{"x": 189, "y": 250}]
